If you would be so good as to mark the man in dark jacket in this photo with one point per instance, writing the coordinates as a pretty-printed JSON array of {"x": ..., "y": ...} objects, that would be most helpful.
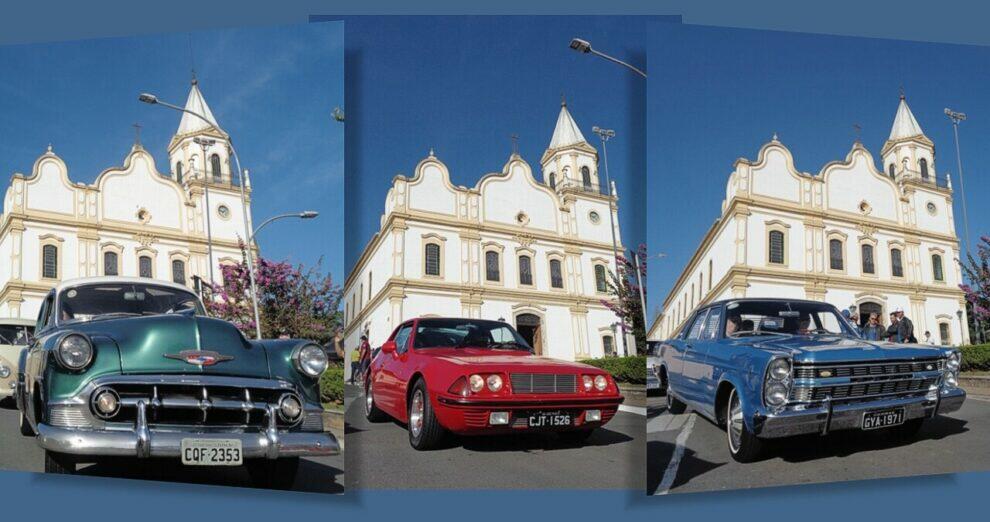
[
  {"x": 891, "y": 333},
  {"x": 905, "y": 328}
]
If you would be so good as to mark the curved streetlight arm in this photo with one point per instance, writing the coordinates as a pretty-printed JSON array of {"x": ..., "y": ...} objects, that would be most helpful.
[
  {"x": 618, "y": 61},
  {"x": 301, "y": 215}
]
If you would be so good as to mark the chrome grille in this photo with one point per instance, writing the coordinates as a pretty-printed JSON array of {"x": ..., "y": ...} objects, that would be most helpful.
[
  {"x": 543, "y": 383},
  {"x": 868, "y": 369},
  {"x": 68, "y": 416},
  {"x": 864, "y": 380}
]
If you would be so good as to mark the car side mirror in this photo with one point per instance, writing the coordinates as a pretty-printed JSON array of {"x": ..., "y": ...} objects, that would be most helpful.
[{"x": 388, "y": 347}]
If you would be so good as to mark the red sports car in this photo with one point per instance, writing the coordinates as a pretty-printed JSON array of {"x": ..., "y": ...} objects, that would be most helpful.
[{"x": 478, "y": 377}]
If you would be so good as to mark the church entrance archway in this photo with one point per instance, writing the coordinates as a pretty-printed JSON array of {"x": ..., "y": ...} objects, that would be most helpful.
[
  {"x": 530, "y": 327},
  {"x": 870, "y": 307}
]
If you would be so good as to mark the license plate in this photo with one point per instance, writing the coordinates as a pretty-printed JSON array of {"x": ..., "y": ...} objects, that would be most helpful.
[
  {"x": 211, "y": 452},
  {"x": 550, "y": 419},
  {"x": 882, "y": 419}
]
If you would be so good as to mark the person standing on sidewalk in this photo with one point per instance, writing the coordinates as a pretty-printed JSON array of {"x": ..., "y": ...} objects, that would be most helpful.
[
  {"x": 905, "y": 328},
  {"x": 365, "y": 355},
  {"x": 355, "y": 363}
]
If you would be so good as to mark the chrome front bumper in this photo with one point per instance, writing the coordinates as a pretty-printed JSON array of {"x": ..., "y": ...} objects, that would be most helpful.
[
  {"x": 144, "y": 442},
  {"x": 826, "y": 418}
]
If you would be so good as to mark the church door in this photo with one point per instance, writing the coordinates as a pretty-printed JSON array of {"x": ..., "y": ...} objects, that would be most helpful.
[{"x": 530, "y": 328}]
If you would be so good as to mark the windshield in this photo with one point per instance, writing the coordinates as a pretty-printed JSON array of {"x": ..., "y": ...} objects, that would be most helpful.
[
  {"x": 109, "y": 300},
  {"x": 463, "y": 333},
  {"x": 15, "y": 334},
  {"x": 783, "y": 318}
]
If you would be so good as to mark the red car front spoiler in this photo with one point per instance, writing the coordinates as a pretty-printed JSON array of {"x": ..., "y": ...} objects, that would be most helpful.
[{"x": 470, "y": 416}]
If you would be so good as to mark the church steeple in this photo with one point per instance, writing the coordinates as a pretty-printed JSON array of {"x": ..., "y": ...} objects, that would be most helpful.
[
  {"x": 569, "y": 161},
  {"x": 186, "y": 149},
  {"x": 908, "y": 153}
]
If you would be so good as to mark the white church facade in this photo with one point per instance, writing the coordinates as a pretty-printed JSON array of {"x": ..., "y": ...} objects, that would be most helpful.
[
  {"x": 851, "y": 235},
  {"x": 531, "y": 253},
  {"x": 133, "y": 220}
]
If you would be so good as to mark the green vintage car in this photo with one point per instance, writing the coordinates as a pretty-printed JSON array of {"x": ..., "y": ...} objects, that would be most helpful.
[{"x": 130, "y": 367}]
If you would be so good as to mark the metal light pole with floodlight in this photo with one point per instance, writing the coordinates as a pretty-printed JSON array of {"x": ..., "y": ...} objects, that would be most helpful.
[{"x": 584, "y": 47}]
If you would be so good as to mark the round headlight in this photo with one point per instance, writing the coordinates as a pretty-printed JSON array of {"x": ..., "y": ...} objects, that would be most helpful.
[
  {"x": 494, "y": 383},
  {"x": 780, "y": 369},
  {"x": 311, "y": 360},
  {"x": 4, "y": 372},
  {"x": 74, "y": 352},
  {"x": 775, "y": 394},
  {"x": 476, "y": 382},
  {"x": 588, "y": 381},
  {"x": 289, "y": 408},
  {"x": 601, "y": 382},
  {"x": 954, "y": 362}
]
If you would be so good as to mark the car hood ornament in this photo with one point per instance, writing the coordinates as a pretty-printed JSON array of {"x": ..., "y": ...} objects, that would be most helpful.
[{"x": 199, "y": 357}]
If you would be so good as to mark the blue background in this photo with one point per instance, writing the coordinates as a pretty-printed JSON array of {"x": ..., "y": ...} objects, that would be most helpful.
[
  {"x": 464, "y": 85},
  {"x": 271, "y": 88},
  {"x": 725, "y": 92},
  {"x": 953, "y": 496}
]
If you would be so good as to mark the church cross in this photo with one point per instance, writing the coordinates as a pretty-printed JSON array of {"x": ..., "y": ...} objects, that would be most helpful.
[
  {"x": 859, "y": 130},
  {"x": 137, "y": 133},
  {"x": 515, "y": 144}
]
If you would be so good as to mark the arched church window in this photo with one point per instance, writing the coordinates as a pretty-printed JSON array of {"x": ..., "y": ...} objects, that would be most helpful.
[
  {"x": 215, "y": 168},
  {"x": 586, "y": 178},
  {"x": 553, "y": 181},
  {"x": 890, "y": 170},
  {"x": 179, "y": 271},
  {"x": 144, "y": 266},
  {"x": 178, "y": 171},
  {"x": 556, "y": 274},
  {"x": 49, "y": 262},
  {"x": 896, "y": 264},
  {"x": 525, "y": 270},
  {"x": 601, "y": 286},
  {"x": 110, "y": 264},
  {"x": 923, "y": 166},
  {"x": 937, "y": 272},
  {"x": 835, "y": 261},
  {"x": 776, "y": 246},
  {"x": 491, "y": 266},
  {"x": 432, "y": 254},
  {"x": 869, "y": 267}
]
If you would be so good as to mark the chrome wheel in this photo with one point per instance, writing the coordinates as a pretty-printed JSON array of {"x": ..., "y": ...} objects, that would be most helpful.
[
  {"x": 416, "y": 410},
  {"x": 734, "y": 422},
  {"x": 369, "y": 400}
]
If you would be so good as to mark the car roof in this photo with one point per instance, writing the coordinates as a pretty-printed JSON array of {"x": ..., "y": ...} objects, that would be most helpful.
[
  {"x": 80, "y": 281},
  {"x": 761, "y": 299}
]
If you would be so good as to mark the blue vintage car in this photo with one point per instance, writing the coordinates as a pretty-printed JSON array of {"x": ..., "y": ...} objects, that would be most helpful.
[{"x": 771, "y": 368}]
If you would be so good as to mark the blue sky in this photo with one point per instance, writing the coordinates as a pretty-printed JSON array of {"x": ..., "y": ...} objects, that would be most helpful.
[
  {"x": 718, "y": 94},
  {"x": 464, "y": 85},
  {"x": 272, "y": 89}
]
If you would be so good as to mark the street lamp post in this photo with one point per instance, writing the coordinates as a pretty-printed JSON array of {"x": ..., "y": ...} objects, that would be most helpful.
[
  {"x": 605, "y": 135},
  {"x": 205, "y": 144},
  {"x": 584, "y": 46},
  {"x": 957, "y": 117},
  {"x": 151, "y": 99}
]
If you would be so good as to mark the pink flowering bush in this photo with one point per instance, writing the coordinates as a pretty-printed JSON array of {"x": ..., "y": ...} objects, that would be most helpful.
[
  {"x": 977, "y": 272},
  {"x": 292, "y": 302},
  {"x": 626, "y": 303}
]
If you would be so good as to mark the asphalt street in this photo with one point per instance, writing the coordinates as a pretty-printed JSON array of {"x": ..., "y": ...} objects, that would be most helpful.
[
  {"x": 688, "y": 453},
  {"x": 323, "y": 475},
  {"x": 379, "y": 456}
]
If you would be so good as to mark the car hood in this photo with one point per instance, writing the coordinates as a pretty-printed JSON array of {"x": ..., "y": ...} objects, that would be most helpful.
[
  {"x": 153, "y": 344},
  {"x": 508, "y": 361},
  {"x": 833, "y": 348}
]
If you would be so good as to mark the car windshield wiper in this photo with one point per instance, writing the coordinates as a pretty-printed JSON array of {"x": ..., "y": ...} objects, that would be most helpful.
[{"x": 509, "y": 345}]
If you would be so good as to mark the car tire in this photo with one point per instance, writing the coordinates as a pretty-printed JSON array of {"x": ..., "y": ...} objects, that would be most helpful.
[
  {"x": 58, "y": 464},
  {"x": 24, "y": 425},
  {"x": 273, "y": 474},
  {"x": 744, "y": 446},
  {"x": 575, "y": 437},
  {"x": 674, "y": 405},
  {"x": 371, "y": 411},
  {"x": 425, "y": 432}
]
